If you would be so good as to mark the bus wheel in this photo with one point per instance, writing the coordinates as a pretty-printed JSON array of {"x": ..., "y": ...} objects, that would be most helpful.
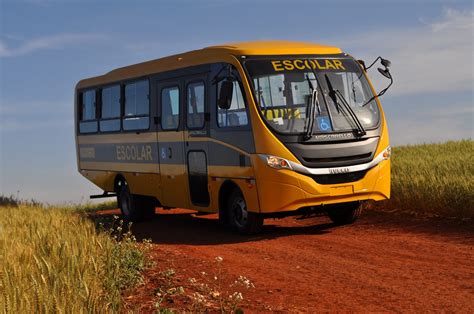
[
  {"x": 240, "y": 219},
  {"x": 343, "y": 214},
  {"x": 128, "y": 204}
]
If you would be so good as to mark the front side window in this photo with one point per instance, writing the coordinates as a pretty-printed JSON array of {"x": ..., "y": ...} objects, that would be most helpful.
[
  {"x": 196, "y": 105},
  {"x": 287, "y": 90},
  {"x": 110, "y": 113},
  {"x": 87, "y": 117},
  {"x": 236, "y": 115},
  {"x": 137, "y": 106},
  {"x": 170, "y": 108}
]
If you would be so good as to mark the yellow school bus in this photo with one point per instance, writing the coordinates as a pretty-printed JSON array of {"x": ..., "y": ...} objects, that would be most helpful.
[{"x": 247, "y": 130}]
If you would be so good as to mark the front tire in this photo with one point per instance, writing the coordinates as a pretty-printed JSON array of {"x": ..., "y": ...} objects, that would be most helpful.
[
  {"x": 344, "y": 214},
  {"x": 239, "y": 218}
]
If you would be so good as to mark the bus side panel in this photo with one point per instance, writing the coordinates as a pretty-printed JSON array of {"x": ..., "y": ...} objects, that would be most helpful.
[
  {"x": 103, "y": 179},
  {"x": 139, "y": 183},
  {"x": 143, "y": 183},
  {"x": 101, "y": 158}
]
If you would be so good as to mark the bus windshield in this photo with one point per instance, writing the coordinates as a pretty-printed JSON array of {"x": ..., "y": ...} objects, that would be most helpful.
[{"x": 288, "y": 91}]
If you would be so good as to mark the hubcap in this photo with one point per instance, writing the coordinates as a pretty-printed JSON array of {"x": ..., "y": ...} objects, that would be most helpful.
[{"x": 239, "y": 210}]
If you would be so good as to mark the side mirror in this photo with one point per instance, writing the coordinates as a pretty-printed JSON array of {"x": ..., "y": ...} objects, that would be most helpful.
[
  {"x": 385, "y": 72},
  {"x": 225, "y": 94},
  {"x": 386, "y": 63}
]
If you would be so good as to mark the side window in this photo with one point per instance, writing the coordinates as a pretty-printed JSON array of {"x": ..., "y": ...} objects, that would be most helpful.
[
  {"x": 236, "y": 115},
  {"x": 87, "y": 116},
  {"x": 110, "y": 115},
  {"x": 196, "y": 105},
  {"x": 170, "y": 108},
  {"x": 137, "y": 106}
]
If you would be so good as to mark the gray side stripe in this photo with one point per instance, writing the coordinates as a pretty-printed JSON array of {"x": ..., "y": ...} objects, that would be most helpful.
[{"x": 148, "y": 153}]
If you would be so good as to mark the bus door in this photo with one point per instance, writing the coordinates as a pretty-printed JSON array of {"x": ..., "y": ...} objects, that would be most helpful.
[
  {"x": 197, "y": 133},
  {"x": 173, "y": 168}
]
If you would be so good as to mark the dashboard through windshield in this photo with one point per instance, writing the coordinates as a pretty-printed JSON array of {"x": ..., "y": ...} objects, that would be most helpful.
[{"x": 290, "y": 90}]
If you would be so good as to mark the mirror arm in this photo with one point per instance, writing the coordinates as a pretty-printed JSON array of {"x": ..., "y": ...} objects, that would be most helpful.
[
  {"x": 378, "y": 58},
  {"x": 386, "y": 88},
  {"x": 381, "y": 92}
]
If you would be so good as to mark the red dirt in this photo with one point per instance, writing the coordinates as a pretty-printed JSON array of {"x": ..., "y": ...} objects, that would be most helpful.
[{"x": 383, "y": 262}]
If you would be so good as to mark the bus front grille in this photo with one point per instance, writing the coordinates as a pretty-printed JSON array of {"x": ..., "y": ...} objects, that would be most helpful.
[
  {"x": 330, "y": 155},
  {"x": 339, "y": 178}
]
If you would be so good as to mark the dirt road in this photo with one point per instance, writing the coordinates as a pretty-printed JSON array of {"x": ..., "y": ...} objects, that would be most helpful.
[{"x": 383, "y": 262}]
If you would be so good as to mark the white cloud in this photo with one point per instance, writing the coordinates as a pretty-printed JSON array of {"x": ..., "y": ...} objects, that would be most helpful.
[
  {"x": 429, "y": 57},
  {"x": 45, "y": 43}
]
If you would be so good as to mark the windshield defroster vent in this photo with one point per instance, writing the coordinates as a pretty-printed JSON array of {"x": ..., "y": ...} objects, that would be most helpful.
[{"x": 336, "y": 159}]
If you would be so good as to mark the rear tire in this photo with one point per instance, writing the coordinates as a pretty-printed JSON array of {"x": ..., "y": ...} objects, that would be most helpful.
[
  {"x": 239, "y": 218},
  {"x": 346, "y": 213},
  {"x": 134, "y": 208}
]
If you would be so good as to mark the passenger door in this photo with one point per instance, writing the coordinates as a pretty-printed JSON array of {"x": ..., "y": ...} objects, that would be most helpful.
[
  {"x": 196, "y": 139},
  {"x": 173, "y": 169}
]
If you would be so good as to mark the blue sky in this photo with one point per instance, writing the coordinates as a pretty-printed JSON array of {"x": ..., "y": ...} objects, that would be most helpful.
[{"x": 47, "y": 46}]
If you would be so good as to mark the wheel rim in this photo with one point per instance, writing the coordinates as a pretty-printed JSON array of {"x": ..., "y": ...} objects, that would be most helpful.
[{"x": 239, "y": 211}]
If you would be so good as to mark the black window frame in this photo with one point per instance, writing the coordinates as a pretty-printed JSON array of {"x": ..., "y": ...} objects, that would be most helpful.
[
  {"x": 80, "y": 119},
  {"x": 206, "y": 105},
  {"x": 162, "y": 88},
  {"x": 101, "y": 89},
  {"x": 123, "y": 85}
]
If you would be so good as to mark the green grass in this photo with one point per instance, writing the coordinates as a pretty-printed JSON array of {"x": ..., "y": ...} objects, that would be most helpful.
[
  {"x": 433, "y": 179},
  {"x": 55, "y": 260}
]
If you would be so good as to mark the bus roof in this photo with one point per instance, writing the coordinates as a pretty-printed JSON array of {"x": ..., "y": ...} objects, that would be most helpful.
[{"x": 208, "y": 54}]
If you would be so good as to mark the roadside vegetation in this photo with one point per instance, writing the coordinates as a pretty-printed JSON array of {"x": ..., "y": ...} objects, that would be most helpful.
[
  {"x": 57, "y": 260},
  {"x": 433, "y": 180},
  {"x": 207, "y": 292}
]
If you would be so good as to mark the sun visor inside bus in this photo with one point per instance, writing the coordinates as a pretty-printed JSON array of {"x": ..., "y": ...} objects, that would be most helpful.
[{"x": 264, "y": 67}]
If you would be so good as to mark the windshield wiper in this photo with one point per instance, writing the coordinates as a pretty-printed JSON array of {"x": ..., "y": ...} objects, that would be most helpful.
[
  {"x": 313, "y": 101},
  {"x": 334, "y": 94}
]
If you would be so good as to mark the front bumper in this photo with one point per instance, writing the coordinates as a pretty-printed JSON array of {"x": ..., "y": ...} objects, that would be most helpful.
[{"x": 290, "y": 189}]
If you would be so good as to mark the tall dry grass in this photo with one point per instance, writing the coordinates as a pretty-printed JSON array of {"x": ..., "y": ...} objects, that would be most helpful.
[
  {"x": 434, "y": 179},
  {"x": 54, "y": 260}
]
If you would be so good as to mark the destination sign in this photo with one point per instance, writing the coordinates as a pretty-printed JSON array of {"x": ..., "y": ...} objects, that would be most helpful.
[{"x": 267, "y": 66}]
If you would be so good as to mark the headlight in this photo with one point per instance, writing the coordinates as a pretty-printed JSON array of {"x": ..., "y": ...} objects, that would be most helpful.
[
  {"x": 276, "y": 162},
  {"x": 387, "y": 153}
]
